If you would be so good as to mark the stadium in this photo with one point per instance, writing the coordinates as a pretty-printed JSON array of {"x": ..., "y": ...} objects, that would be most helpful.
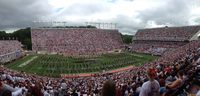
[
  {"x": 160, "y": 56},
  {"x": 75, "y": 52},
  {"x": 89, "y": 54}
]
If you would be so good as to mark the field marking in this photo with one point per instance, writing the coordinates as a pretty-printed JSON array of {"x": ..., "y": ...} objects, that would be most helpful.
[
  {"x": 25, "y": 63},
  {"x": 137, "y": 55},
  {"x": 71, "y": 72}
]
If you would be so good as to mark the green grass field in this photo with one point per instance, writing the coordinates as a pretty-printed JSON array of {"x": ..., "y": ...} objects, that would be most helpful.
[{"x": 54, "y": 65}]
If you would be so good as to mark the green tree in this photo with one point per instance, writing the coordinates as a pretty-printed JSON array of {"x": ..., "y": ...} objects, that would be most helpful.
[
  {"x": 23, "y": 35},
  {"x": 3, "y": 35},
  {"x": 127, "y": 39}
]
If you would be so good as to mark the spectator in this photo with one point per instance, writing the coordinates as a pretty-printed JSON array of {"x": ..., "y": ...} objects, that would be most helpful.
[
  {"x": 170, "y": 87},
  {"x": 75, "y": 41},
  {"x": 128, "y": 82},
  {"x": 109, "y": 88},
  {"x": 198, "y": 93},
  {"x": 151, "y": 87}
]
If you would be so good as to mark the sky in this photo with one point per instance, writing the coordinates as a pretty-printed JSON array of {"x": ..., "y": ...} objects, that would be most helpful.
[{"x": 130, "y": 15}]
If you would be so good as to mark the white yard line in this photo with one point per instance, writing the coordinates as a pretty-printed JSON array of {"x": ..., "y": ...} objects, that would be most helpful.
[
  {"x": 137, "y": 55},
  {"x": 25, "y": 63}
]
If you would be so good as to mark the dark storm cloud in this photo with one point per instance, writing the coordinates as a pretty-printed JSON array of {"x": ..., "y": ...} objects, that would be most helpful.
[{"x": 21, "y": 13}]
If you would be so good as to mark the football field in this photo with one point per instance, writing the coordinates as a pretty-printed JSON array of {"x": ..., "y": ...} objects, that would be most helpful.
[{"x": 54, "y": 65}]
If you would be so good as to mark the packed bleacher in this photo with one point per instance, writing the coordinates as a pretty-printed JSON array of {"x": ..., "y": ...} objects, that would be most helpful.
[
  {"x": 168, "y": 33},
  {"x": 10, "y": 50},
  {"x": 75, "y": 41},
  {"x": 165, "y": 76},
  {"x": 165, "y": 38},
  {"x": 155, "y": 47}
]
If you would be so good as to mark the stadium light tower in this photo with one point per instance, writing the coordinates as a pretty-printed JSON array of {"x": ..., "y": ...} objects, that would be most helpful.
[
  {"x": 102, "y": 25},
  {"x": 115, "y": 26},
  {"x": 111, "y": 25}
]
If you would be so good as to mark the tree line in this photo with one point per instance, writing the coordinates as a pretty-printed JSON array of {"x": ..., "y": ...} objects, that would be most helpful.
[{"x": 22, "y": 35}]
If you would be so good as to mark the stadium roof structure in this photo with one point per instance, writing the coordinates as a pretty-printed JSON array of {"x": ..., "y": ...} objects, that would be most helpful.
[{"x": 184, "y": 33}]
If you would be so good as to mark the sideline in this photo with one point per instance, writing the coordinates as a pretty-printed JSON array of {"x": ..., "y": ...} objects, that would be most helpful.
[{"x": 93, "y": 74}]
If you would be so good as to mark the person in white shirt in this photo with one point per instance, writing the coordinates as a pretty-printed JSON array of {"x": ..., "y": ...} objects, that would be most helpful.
[
  {"x": 46, "y": 93},
  {"x": 198, "y": 92},
  {"x": 18, "y": 92},
  {"x": 151, "y": 87}
]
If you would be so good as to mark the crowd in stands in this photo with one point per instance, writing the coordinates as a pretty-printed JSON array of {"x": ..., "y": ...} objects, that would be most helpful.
[
  {"x": 155, "y": 47},
  {"x": 75, "y": 41},
  {"x": 10, "y": 50},
  {"x": 167, "y": 33},
  {"x": 165, "y": 77},
  {"x": 152, "y": 40}
]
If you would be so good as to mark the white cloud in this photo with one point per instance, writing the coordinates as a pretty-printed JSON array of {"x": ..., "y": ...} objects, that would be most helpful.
[{"x": 129, "y": 14}]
